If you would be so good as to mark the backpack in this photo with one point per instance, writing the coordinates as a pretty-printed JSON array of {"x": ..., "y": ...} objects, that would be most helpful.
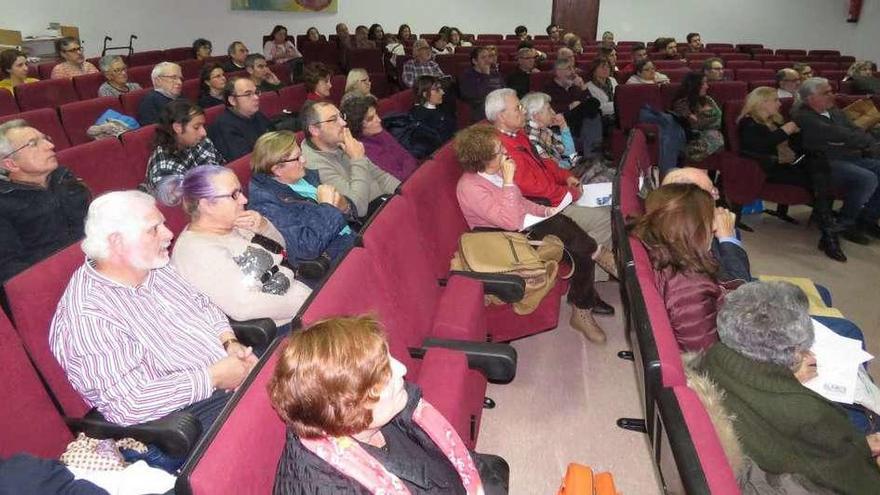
[{"x": 418, "y": 139}]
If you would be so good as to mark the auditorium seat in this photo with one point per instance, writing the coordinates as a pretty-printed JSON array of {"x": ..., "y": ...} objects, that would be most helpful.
[
  {"x": 337, "y": 89},
  {"x": 138, "y": 145},
  {"x": 44, "y": 70},
  {"x": 49, "y": 93},
  {"x": 7, "y": 103},
  {"x": 385, "y": 107},
  {"x": 722, "y": 91},
  {"x": 490, "y": 37},
  {"x": 87, "y": 86},
  {"x": 177, "y": 54},
  {"x": 628, "y": 100},
  {"x": 366, "y": 58},
  {"x": 753, "y": 74},
  {"x": 715, "y": 47},
  {"x": 46, "y": 121},
  {"x": 77, "y": 117},
  {"x": 326, "y": 53},
  {"x": 190, "y": 90},
  {"x": 132, "y": 100},
  {"x": 766, "y": 57},
  {"x": 744, "y": 64},
  {"x": 102, "y": 165},
  {"x": 758, "y": 83},
  {"x": 175, "y": 218},
  {"x": 833, "y": 74},
  {"x": 824, "y": 53},
  {"x": 292, "y": 97},
  {"x": 537, "y": 80},
  {"x": 730, "y": 57},
  {"x": 242, "y": 168},
  {"x": 776, "y": 65},
  {"x": 748, "y": 47},
  {"x": 212, "y": 113},
  {"x": 379, "y": 86},
  {"x": 190, "y": 69},
  {"x": 820, "y": 67},
  {"x": 282, "y": 71},
  {"x": 666, "y": 65},
  {"x": 698, "y": 56},
  {"x": 791, "y": 52},
  {"x": 141, "y": 75},
  {"x": 676, "y": 75},
  {"x": 146, "y": 58},
  {"x": 270, "y": 103}
]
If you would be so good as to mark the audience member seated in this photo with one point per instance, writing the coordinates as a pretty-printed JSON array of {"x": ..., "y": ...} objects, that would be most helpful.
[
  {"x": 202, "y": 49},
  {"x": 607, "y": 40},
  {"x": 522, "y": 33},
  {"x": 520, "y": 79},
  {"x": 343, "y": 37},
  {"x": 234, "y": 256},
  {"x": 570, "y": 96},
  {"x": 861, "y": 73},
  {"x": 610, "y": 56},
  {"x": 311, "y": 216},
  {"x": 212, "y": 80},
  {"x": 404, "y": 34},
  {"x": 601, "y": 86},
  {"x": 565, "y": 53},
  {"x": 380, "y": 146},
  {"x": 13, "y": 70},
  {"x": 422, "y": 64},
  {"x": 456, "y": 40},
  {"x": 667, "y": 49},
  {"x": 376, "y": 34},
  {"x": 677, "y": 230},
  {"x": 341, "y": 160},
  {"x": 136, "y": 340},
  {"x": 237, "y": 54},
  {"x": 441, "y": 46},
  {"x": 489, "y": 197},
  {"x": 788, "y": 81},
  {"x": 479, "y": 80},
  {"x": 852, "y": 153},
  {"x": 181, "y": 143},
  {"x": 313, "y": 35},
  {"x": 260, "y": 73},
  {"x": 393, "y": 48},
  {"x": 357, "y": 83},
  {"x": 114, "y": 69},
  {"x": 236, "y": 129},
  {"x": 644, "y": 72},
  {"x": 73, "y": 63},
  {"x": 638, "y": 52},
  {"x": 694, "y": 43},
  {"x": 804, "y": 70},
  {"x": 573, "y": 42},
  {"x": 541, "y": 119},
  {"x": 542, "y": 178},
  {"x": 713, "y": 69},
  {"x": 167, "y": 87},
  {"x": 765, "y": 136},
  {"x": 702, "y": 116},
  {"x": 554, "y": 33},
  {"x": 362, "y": 38},
  {"x": 431, "y": 112},
  {"x": 279, "y": 49},
  {"x": 42, "y": 205},
  {"x": 760, "y": 365},
  {"x": 394, "y": 441},
  {"x": 316, "y": 77}
]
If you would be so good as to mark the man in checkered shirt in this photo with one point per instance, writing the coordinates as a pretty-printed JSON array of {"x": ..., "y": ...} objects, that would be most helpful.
[{"x": 422, "y": 64}]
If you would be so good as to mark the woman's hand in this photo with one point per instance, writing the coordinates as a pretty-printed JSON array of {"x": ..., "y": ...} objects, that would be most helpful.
[
  {"x": 573, "y": 181},
  {"x": 250, "y": 220},
  {"x": 559, "y": 121},
  {"x": 326, "y": 194},
  {"x": 508, "y": 170},
  {"x": 790, "y": 128},
  {"x": 806, "y": 369},
  {"x": 874, "y": 443}
]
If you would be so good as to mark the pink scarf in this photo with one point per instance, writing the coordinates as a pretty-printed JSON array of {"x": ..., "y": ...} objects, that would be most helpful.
[{"x": 349, "y": 458}]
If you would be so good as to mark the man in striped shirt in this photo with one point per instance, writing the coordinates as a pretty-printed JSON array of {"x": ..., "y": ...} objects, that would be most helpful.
[{"x": 136, "y": 340}]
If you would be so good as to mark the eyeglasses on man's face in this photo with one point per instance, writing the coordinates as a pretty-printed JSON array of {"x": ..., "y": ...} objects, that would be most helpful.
[
  {"x": 30, "y": 143},
  {"x": 176, "y": 77},
  {"x": 248, "y": 94},
  {"x": 339, "y": 117},
  {"x": 73, "y": 49}
]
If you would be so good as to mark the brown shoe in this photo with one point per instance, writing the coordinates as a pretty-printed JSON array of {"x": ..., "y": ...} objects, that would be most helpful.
[
  {"x": 582, "y": 321},
  {"x": 606, "y": 261}
]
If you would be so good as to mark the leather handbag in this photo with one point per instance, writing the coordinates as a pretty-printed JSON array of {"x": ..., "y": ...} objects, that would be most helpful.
[{"x": 863, "y": 113}]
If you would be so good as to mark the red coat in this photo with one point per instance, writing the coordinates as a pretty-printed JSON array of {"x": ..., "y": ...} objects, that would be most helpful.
[{"x": 537, "y": 177}]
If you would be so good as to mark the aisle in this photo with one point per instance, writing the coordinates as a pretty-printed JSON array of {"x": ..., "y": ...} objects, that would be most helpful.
[{"x": 562, "y": 407}]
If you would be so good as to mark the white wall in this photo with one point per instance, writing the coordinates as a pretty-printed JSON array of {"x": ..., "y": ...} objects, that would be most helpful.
[
  {"x": 169, "y": 23},
  {"x": 806, "y": 24}
]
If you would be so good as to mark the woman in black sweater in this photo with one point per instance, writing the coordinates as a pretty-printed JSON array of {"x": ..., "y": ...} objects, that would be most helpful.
[
  {"x": 775, "y": 145},
  {"x": 431, "y": 111}
]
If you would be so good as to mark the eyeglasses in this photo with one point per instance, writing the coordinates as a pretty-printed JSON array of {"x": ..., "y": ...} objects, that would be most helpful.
[
  {"x": 248, "y": 94},
  {"x": 365, "y": 81},
  {"x": 74, "y": 49},
  {"x": 119, "y": 70},
  {"x": 172, "y": 76},
  {"x": 298, "y": 159},
  {"x": 336, "y": 118},
  {"x": 234, "y": 195},
  {"x": 717, "y": 68},
  {"x": 31, "y": 143}
]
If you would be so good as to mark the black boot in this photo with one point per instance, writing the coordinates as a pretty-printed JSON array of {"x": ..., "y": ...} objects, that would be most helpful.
[{"x": 829, "y": 243}]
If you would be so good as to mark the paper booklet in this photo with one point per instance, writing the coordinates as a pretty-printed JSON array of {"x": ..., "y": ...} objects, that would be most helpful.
[
  {"x": 530, "y": 220},
  {"x": 838, "y": 363}
]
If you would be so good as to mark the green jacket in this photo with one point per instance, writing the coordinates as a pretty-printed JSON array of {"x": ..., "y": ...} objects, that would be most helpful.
[{"x": 785, "y": 427}]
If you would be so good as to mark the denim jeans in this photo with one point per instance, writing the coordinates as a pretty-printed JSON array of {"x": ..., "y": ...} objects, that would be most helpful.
[{"x": 859, "y": 178}]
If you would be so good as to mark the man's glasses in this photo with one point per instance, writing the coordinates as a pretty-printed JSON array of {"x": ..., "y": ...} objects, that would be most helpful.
[
  {"x": 234, "y": 195},
  {"x": 172, "y": 76},
  {"x": 31, "y": 143},
  {"x": 248, "y": 94},
  {"x": 119, "y": 70},
  {"x": 336, "y": 118},
  {"x": 74, "y": 49}
]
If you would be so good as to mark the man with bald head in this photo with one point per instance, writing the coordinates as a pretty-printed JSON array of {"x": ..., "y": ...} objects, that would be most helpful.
[{"x": 787, "y": 82}]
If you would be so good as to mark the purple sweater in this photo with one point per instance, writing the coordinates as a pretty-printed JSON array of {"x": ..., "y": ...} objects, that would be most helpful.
[{"x": 384, "y": 151}]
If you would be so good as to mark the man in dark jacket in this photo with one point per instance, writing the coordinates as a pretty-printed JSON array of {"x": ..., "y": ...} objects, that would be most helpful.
[
  {"x": 42, "y": 205},
  {"x": 237, "y": 129},
  {"x": 167, "y": 87},
  {"x": 851, "y": 152}
]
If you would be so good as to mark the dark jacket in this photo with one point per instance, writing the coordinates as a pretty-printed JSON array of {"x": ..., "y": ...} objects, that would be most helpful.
[
  {"x": 208, "y": 101},
  {"x": 302, "y": 472},
  {"x": 863, "y": 85},
  {"x": 474, "y": 86},
  {"x": 230, "y": 66},
  {"x": 151, "y": 107},
  {"x": 36, "y": 222},
  {"x": 309, "y": 228},
  {"x": 436, "y": 119},
  {"x": 785, "y": 427},
  {"x": 24, "y": 474},
  {"x": 234, "y": 136},
  {"x": 837, "y": 137},
  {"x": 520, "y": 82},
  {"x": 733, "y": 261}
]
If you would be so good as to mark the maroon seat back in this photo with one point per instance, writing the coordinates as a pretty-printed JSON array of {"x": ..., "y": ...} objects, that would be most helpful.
[
  {"x": 337, "y": 89},
  {"x": 138, "y": 145},
  {"x": 132, "y": 100},
  {"x": 87, "y": 85},
  {"x": 629, "y": 98},
  {"x": 776, "y": 65},
  {"x": 44, "y": 70},
  {"x": 722, "y": 91},
  {"x": 213, "y": 113},
  {"x": 48, "y": 93},
  {"x": 732, "y": 108},
  {"x": 490, "y": 37},
  {"x": 677, "y": 75},
  {"x": 175, "y": 218},
  {"x": 734, "y": 57},
  {"x": 664, "y": 65},
  {"x": 292, "y": 97},
  {"x": 790, "y": 52},
  {"x": 77, "y": 117},
  {"x": 29, "y": 421},
  {"x": 744, "y": 64},
  {"x": 8, "y": 105},
  {"x": 46, "y": 121},
  {"x": 270, "y": 103},
  {"x": 190, "y": 90},
  {"x": 768, "y": 57},
  {"x": 821, "y": 67},
  {"x": 149, "y": 58},
  {"x": 824, "y": 53},
  {"x": 635, "y": 163},
  {"x": 190, "y": 68},
  {"x": 177, "y": 54},
  {"x": 369, "y": 59},
  {"x": 141, "y": 75},
  {"x": 758, "y": 83},
  {"x": 834, "y": 74},
  {"x": 102, "y": 165},
  {"x": 379, "y": 86},
  {"x": 753, "y": 74},
  {"x": 33, "y": 296},
  {"x": 242, "y": 168}
]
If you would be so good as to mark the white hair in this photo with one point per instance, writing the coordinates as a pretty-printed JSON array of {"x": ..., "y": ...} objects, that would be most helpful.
[
  {"x": 107, "y": 61},
  {"x": 5, "y": 146},
  {"x": 115, "y": 212},
  {"x": 159, "y": 68},
  {"x": 533, "y": 103},
  {"x": 495, "y": 102},
  {"x": 811, "y": 86}
]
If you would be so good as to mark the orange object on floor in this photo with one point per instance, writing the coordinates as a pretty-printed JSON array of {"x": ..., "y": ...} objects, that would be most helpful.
[{"x": 580, "y": 480}]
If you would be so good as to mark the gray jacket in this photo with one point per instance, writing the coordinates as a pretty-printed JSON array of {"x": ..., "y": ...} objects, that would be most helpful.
[{"x": 837, "y": 137}]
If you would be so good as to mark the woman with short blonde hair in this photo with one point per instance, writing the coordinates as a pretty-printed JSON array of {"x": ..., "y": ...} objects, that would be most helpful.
[{"x": 357, "y": 83}]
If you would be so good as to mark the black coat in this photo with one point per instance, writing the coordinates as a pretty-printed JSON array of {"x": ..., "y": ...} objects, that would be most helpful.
[
  {"x": 837, "y": 137},
  {"x": 234, "y": 136}
]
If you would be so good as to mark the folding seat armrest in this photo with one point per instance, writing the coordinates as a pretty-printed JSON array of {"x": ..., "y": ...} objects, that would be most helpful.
[
  {"x": 496, "y": 361},
  {"x": 314, "y": 269},
  {"x": 507, "y": 287},
  {"x": 176, "y": 434},
  {"x": 259, "y": 332}
]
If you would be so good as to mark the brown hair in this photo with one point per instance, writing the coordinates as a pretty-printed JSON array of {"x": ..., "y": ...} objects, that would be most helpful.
[
  {"x": 475, "y": 147},
  {"x": 677, "y": 227},
  {"x": 314, "y": 73},
  {"x": 328, "y": 373},
  {"x": 7, "y": 60}
]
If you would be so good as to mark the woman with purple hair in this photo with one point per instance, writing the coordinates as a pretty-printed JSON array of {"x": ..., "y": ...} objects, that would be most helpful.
[{"x": 234, "y": 256}]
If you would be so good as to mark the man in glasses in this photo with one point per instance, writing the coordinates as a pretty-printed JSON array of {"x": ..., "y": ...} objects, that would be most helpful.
[
  {"x": 167, "y": 86},
  {"x": 42, "y": 205},
  {"x": 519, "y": 79},
  {"x": 787, "y": 82},
  {"x": 239, "y": 126},
  {"x": 340, "y": 159},
  {"x": 73, "y": 63}
]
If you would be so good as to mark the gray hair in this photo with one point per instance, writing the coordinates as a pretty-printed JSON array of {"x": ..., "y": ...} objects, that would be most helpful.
[
  {"x": 112, "y": 213},
  {"x": 767, "y": 322},
  {"x": 534, "y": 103},
  {"x": 159, "y": 68},
  {"x": 811, "y": 86},
  {"x": 5, "y": 146},
  {"x": 561, "y": 63},
  {"x": 309, "y": 116},
  {"x": 495, "y": 102},
  {"x": 106, "y": 61}
]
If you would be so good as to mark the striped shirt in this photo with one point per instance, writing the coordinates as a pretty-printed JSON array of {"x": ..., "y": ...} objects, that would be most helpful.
[{"x": 137, "y": 353}]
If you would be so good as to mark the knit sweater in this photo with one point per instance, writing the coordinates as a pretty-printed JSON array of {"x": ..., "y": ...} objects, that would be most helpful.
[
  {"x": 383, "y": 150},
  {"x": 485, "y": 204},
  {"x": 787, "y": 428}
]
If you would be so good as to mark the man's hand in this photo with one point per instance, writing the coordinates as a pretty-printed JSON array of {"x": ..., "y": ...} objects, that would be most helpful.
[
  {"x": 573, "y": 181},
  {"x": 272, "y": 78},
  {"x": 341, "y": 202},
  {"x": 250, "y": 220},
  {"x": 579, "y": 82},
  {"x": 326, "y": 194},
  {"x": 806, "y": 369},
  {"x": 508, "y": 169},
  {"x": 351, "y": 146},
  {"x": 790, "y": 128},
  {"x": 238, "y": 350},
  {"x": 724, "y": 223},
  {"x": 874, "y": 443},
  {"x": 229, "y": 372}
]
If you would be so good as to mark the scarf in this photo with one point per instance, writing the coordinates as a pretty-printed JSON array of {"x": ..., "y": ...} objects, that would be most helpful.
[
  {"x": 546, "y": 142},
  {"x": 349, "y": 458}
]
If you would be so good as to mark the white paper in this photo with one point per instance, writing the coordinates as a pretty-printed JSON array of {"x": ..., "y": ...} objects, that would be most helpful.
[
  {"x": 530, "y": 220},
  {"x": 136, "y": 479},
  {"x": 838, "y": 360},
  {"x": 595, "y": 195}
]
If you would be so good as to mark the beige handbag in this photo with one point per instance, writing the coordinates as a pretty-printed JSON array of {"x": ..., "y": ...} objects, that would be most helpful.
[
  {"x": 537, "y": 262},
  {"x": 863, "y": 113}
]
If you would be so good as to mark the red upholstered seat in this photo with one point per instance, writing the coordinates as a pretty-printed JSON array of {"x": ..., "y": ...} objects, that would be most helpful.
[
  {"x": 824, "y": 53},
  {"x": 213, "y": 113},
  {"x": 150, "y": 58},
  {"x": 537, "y": 80},
  {"x": 758, "y": 83},
  {"x": 177, "y": 54},
  {"x": 676, "y": 75},
  {"x": 141, "y": 75},
  {"x": 48, "y": 93},
  {"x": 175, "y": 218},
  {"x": 664, "y": 65},
  {"x": 270, "y": 103},
  {"x": 77, "y": 117},
  {"x": 767, "y": 57},
  {"x": 385, "y": 106},
  {"x": 7, "y": 103},
  {"x": 745, "y": 64},
  {"x": 138, "y": 145},
  {"x": 86, "y": 86},
  {"x": 102, "y": 165},
  {"x": 325, "y": 52},
  {"x": 190, "y": 68},
  {"x": 366, "y": 58},
  {"x": 292, "y": 97},
  {"x": 722, "y": 91},
  {"x": 732, "y": 57},
  {"x": 635, "y": 163},
  {"x": 753, "y": 74},
  {"x": 44, "y": 120},
  {"x": 44, "y": 70},
  {"x": 190, "y": 90},
  {"x": 337, "y": 89},
  {"x": 242, "y": 168},
  {"x": 131, "y": 101},
  {"x": 776, "y": 65},
  {"x": 379, "y": 86}
]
